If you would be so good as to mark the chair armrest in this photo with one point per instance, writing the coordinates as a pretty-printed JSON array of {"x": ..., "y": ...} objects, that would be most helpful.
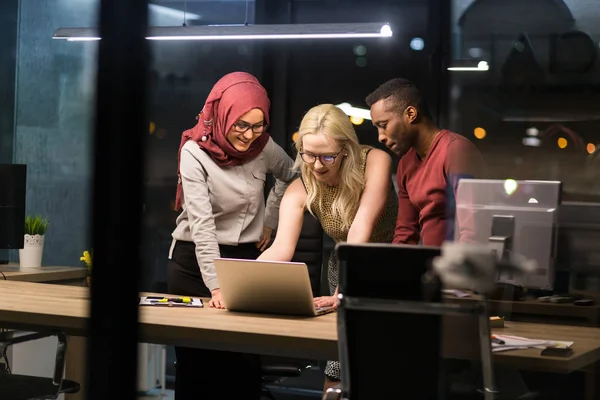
[{"x": 61, "y": 349}]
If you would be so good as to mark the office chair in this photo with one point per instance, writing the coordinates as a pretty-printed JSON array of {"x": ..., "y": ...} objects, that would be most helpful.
[
  {"x": 24, "y": 387},
  {"x": 390, "y": 323},
  {"x": 309, "y": 250}
]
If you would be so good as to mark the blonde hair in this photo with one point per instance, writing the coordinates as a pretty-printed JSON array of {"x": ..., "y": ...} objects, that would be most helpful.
[{"x": 332, "y": 122}]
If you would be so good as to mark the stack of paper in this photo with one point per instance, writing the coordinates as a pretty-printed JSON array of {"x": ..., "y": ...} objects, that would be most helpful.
[
  {"x": 456, "y": 292},
  {"x": 517, "y": 342}
]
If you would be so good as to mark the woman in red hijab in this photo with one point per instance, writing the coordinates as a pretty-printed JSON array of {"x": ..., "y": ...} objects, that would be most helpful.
[{"x": 223, "y": 164}]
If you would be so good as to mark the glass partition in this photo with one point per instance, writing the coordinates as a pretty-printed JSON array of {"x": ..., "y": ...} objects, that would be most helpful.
[
  {"x": 524, "y": 87},
  {"x": 55, "y": 89}
]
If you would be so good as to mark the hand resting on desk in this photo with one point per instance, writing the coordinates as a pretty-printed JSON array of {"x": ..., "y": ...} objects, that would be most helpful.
[
  {"x": 216, "y": 300},
  {"x": 326, "y": 301}
]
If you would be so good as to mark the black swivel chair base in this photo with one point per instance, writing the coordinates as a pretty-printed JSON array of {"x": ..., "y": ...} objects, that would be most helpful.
[{"x": 272, "y": 374}]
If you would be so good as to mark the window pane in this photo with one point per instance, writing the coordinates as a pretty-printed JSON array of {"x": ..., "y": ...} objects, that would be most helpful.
[{"x": 54, "y": 112}]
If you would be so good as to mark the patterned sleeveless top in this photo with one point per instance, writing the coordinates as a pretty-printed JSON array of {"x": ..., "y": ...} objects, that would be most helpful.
[{"x": 332, "y": 224}]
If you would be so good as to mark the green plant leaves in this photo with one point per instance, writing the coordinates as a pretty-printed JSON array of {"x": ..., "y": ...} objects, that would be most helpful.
[{"x": 36, "y": 225}]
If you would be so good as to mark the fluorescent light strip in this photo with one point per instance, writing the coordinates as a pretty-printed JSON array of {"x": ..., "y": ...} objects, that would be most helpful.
[
  {"x": 481, "y": 66},
  {"x": 242, "y": 32},
  {"x": 356, "y": 112},
  {"x": 82, "y": 39},
  {"x": 267, "y": 36}
]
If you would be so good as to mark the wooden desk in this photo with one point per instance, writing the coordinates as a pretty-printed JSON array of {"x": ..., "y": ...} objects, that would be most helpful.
[
  {"x": 34, "y": 306},
  {"x": 533, "y": 310},
  {"x": 25, "y": 305},
  {"x": 56, "y": 275},
  {"x": 586, "y": 347},
  {"x": 536, "y": 311},
  {"x": 55, "y": 278}
]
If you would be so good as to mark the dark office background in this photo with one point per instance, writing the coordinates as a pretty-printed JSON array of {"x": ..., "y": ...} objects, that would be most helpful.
[
  {"x": 543, "y": 85},
  {"x": 543, "y": 74}
]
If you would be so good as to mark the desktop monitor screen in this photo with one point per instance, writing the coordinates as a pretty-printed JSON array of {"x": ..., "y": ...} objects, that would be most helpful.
[
  {"x": 512, "y": 216},
  {"x": 12, "y": 205},
  {"x": 578, "y": 252}
]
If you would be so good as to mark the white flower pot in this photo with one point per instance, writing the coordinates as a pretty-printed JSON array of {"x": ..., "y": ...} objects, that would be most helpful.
[{"x": 30, "y": 256}]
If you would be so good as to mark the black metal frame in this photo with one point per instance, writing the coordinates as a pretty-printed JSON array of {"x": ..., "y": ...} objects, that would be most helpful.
[
  {"x": 439, "y": 38},
  {"x": 119, "y": 131}
]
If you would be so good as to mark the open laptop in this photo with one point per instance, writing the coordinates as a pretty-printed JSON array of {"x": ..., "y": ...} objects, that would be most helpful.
[{"x": 271, "y": 287}]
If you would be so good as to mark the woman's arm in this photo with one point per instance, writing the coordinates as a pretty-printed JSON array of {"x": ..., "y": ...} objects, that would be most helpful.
[
  {"x": 200, "y": 218},
  {"x": 372, "y": 202},
  {"x": 291, "y": 217},
  {"x": 280, "y": 165}
]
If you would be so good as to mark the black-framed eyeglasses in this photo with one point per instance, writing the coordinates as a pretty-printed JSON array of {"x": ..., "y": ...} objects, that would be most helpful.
[
  {"x": 242, "y": 127},
  {"x": 324, "y": 159}
]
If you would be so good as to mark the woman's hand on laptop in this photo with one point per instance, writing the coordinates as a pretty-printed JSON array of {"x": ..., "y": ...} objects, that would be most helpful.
[
  {"x": 216, "y": 301},
  {"x": 326, "y": 301}
]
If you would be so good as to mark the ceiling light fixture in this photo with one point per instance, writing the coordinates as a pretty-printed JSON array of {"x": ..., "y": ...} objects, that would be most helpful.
[
  {"x": 355, "y": 112},
  {"x": 244, "y": 32},
  {"x": 470, "y": 66}
]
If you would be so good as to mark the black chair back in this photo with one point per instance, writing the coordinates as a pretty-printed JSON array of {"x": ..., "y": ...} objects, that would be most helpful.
[
  {"x": 386, "y": 352},
  {"x": 309, "y": 250}
]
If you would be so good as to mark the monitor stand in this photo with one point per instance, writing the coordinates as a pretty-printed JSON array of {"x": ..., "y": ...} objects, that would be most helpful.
[
  {"x": 501, "y": 238},
  {"x": 508, "y": 286}
]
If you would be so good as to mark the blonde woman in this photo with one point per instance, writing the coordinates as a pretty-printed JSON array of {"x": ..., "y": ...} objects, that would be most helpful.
[{"x": 345, "y": 185}]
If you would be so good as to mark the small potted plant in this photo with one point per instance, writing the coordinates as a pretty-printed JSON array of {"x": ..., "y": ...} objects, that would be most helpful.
[
  {"x": 30, "y": 256},
  {"x": 87, "y": 260}
]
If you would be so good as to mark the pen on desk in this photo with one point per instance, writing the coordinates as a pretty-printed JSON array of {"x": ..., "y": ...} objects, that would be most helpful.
[
  {"x": 181, "y": 300},
  {"x": 496, "y": 340},
  {"x": 171, "y": 300}
]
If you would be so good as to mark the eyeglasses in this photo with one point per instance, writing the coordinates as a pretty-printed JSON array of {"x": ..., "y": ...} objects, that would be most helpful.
[
  {"x": 242, "y": 127},
  {"x": 324, "y": 159}
]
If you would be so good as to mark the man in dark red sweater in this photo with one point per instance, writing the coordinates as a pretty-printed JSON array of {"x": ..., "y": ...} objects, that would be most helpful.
[{"x": 432, "y": 162}]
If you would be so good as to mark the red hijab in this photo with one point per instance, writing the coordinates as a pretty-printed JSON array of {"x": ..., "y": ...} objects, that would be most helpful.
[{"x": 231, "y": 97}]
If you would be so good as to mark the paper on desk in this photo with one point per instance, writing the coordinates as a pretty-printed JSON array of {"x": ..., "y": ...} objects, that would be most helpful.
[
  {"x": 145, "y": 301},
  {"x": 518, "y": 342},
  {"x": 456, "y": 292}
]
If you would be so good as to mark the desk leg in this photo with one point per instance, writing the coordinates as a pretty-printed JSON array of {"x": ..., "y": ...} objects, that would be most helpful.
[
  {"x": 592, "y": 382},
  {"x": 76, "y": 365}
]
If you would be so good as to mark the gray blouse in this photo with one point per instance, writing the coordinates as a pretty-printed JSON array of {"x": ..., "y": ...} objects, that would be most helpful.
[{"x": 226, "y": 205}]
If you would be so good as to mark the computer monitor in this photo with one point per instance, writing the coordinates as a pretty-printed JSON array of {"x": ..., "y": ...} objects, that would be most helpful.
[
  {"x": 13, "y": 179},
  {"x": 578, "y": 253},
  {"x": 512, "y": 216}
]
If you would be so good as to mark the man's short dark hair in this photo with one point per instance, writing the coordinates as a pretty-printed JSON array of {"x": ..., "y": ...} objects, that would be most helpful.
[{"x": 403, "y": 93}]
